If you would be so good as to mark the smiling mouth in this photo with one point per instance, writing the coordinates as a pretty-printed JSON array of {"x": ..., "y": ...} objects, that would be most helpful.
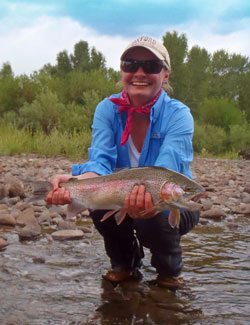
[{"x": 135, "y": 83}]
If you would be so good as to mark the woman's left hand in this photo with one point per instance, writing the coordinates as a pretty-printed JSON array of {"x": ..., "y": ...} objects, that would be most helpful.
[{"x": 139, "y": 201}]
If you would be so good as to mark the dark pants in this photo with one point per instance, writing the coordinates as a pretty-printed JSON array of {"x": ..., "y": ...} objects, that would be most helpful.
[{"x": 155, "y": 233}]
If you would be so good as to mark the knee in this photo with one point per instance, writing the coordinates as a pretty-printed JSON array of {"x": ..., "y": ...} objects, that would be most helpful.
[{"x": 189, "y": 219}]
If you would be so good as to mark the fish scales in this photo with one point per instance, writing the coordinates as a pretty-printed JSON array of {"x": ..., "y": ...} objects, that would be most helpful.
[{"x": 109, "y": 191}]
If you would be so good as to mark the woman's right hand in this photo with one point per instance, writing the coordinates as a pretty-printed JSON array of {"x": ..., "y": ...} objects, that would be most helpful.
[{"x": 59, "y": 195}]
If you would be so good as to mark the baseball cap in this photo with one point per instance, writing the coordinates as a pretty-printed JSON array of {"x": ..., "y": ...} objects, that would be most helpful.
[{"x": 153, "y": 46}]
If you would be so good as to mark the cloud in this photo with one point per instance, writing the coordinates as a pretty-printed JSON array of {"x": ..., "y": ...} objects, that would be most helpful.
[
  {"x": 29, "y": 48},
  {"x": 32, "y": 33}
]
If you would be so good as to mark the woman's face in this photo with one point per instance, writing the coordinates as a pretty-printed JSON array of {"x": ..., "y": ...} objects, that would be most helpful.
[{"x": 142, "y": 87}]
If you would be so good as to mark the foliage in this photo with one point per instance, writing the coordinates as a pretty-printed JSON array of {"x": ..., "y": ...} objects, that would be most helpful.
[
  {"x": 220, "y": 112},
  {"x": 177, "y": 48},
  {"x": 239, "y": 137},
  {"x": 73, "y": 145},
  {"x": 209, "y": 138},
  {"x": 58, "y": 101},
  {"x": 43, "y": 113}
]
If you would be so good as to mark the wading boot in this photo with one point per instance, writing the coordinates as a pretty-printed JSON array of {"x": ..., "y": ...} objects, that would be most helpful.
[
  {"x": 118, "y": 275},
  {"x": 169, "y": 282}
]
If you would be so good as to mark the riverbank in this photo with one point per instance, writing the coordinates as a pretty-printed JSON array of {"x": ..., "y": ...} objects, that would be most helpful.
[{"x": 227, "y": 184}]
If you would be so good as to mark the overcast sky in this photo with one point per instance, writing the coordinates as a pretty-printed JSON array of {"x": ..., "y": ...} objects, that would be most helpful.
[{"x": 33, "y": 32}]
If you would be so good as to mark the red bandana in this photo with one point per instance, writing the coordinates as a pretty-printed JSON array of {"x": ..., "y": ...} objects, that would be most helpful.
[{"x": 124, "y": 106}]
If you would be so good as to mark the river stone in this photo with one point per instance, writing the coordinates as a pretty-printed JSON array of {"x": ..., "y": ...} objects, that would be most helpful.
[
  {"x": 4, "y": 208},
  {"x": 26, "y": 217},
  {"x": 30, "y": 231},
  {"x": 3, "y": 192},
  {"x": 242, "y": 209},
  {"x": 67, "y": 234},
  {"x": 247, "y": 189},
  {"x": 63, "y": 225},
  {"x": 7, "y": 219},
  {"x": 3, "y": 243},
  {"x": 15, "y": 186},
  {"x": 245, "y": 197},
  {"x": 213, "y": 213}
]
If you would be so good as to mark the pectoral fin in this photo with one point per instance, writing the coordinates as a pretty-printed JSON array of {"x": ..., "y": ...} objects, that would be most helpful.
[
  {"x": 109, "y": 214},
  {"x": 119, "y": 215},
  {"x": 174, "y": 218}
]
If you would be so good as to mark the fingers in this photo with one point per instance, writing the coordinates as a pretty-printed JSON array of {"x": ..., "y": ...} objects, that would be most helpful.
[
  {"x": 138, "y": 201},
  {"x": 58, "y": 195}
]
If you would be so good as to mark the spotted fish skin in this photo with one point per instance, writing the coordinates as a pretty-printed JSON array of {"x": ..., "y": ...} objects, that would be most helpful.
[{"x": 170, "y": 191}]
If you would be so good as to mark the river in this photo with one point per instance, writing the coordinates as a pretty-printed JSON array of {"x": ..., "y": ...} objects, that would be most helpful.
[{"x": 54, "y": 282}]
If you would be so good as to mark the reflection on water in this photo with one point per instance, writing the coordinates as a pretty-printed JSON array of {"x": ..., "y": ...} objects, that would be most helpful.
[{"x": 43, "y": 282}]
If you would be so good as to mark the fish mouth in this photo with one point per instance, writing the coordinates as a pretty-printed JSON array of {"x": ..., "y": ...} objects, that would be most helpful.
[{"x": 186, "y": 205}]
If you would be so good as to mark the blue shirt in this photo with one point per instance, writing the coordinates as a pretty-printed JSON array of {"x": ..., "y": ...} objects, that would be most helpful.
[{"x": 168, "y": 142}]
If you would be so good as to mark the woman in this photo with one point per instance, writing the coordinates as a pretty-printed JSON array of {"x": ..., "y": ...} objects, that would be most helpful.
[{"x": 141, "y": 126}]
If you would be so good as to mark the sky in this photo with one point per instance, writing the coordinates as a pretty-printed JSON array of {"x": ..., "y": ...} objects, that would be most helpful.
[{"x": 33, "y": 32}]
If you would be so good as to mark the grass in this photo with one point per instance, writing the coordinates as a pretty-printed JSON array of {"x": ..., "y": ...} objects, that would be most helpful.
[{"x": 71, "y": 145}]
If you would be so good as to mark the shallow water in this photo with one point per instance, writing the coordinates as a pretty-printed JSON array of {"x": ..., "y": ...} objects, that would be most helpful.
[{"x": 43, "y": 282}]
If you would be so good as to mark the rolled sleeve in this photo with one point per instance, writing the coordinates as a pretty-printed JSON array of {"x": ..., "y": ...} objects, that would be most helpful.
[{"x": 176, "y": 151}]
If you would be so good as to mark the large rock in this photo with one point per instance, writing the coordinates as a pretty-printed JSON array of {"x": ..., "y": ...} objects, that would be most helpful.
[
  {"x": 242, "y": 209},
  {"x": 3, "y": 191},
  {"x": 26, "y": 217},
  {"x": 14, "y": 186},
  {"x": 7, "y": 219},
  {"x": 30, "y": 231},
  {"x": 3, "y": 243},
  {"x": 67, "y": 234},
  {"x": 214, "y": 213}
]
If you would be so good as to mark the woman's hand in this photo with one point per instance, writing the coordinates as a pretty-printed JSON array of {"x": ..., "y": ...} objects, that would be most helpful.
[
  {"x": 59, "y": 195},
  {"x": 139, "y": 201}
]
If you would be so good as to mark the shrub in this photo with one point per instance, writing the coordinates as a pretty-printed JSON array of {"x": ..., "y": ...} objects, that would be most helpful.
[
  {"x": 239, "y": 137},
  {"x": 221, "y": 113},
  {"x": 209, "y": 138},
  {"x": 43, "y": 113}
]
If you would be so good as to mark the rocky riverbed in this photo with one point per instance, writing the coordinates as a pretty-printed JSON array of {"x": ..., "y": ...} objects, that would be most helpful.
[{"x": 227, "y": 184}]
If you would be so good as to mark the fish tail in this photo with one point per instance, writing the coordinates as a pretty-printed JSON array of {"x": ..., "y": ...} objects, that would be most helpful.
[{"x": 40, "y": 191}]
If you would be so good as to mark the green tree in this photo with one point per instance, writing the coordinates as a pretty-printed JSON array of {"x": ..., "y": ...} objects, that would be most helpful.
[
  {"x": 64, "y": 65},
  {"x": 6, "y": 71},
  {"x": 44, "y": 113},
  {"x": 220, "y": 112},
  {"x": 81, "y": 58},
  {"x": 177, "y": 48},
  {"x": 197, "y": 70},
  {"x": 97, "y": 60},
  {"x": 244, "y": 95},
  {"x": 227, "y": 72}
]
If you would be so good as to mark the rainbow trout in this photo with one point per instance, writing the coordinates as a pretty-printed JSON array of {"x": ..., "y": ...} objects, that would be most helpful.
[{"x": 170, "y": 191}]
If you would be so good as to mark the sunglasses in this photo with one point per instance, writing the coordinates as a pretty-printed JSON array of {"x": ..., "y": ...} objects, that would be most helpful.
[{"x": 148, "y": 66}]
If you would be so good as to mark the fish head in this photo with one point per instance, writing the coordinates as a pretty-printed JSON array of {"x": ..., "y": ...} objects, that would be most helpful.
[{"x": 182, "y": 195}]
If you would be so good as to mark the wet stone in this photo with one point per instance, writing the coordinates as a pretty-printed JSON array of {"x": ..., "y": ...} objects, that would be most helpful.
[
  {"x": 63, "y": 225},
  {"x": 30, "y": 231},
  {"x": 67, "y": 234},
  {"x": 7, "y": 219},
  {"x": 3, "y": 243},
  {"x": 27, "y": 216},
  {"x": 214, "y": 213}
]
